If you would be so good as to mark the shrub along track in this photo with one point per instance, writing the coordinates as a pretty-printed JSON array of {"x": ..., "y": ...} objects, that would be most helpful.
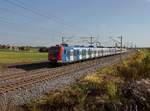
[{"x": 12, "y": 83}]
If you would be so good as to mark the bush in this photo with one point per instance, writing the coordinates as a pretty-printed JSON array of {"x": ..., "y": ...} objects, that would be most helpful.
[
  {"x": 137, "y": 68},
  {"x": 43, "y": 49}
]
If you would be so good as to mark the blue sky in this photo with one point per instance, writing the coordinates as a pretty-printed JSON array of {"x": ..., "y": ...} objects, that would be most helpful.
[{"x": 52, "y": 19}]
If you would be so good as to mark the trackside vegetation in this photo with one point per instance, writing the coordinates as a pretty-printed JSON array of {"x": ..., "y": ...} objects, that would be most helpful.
[{"x": 119, "y": 87}]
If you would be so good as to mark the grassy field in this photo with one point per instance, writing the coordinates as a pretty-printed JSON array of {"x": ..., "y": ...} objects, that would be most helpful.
[{"x": 11, "y": 57}]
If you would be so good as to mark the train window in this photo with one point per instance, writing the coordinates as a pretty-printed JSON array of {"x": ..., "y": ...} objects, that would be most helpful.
[
  {"x": 89, "y": 52},
  {"x": 65, "y": 51},
  {"x": 92, "y": 52},
  {"x": 75, "y": 52},
  {"x": 54, "y": 51},
  {"x": 79, "y": 52},
  {"x": 71, "y": 53},
  {"x": 83, "y": 52},
  {"x": 99, "y": 52},
  {"x": 68, "y": 53}
]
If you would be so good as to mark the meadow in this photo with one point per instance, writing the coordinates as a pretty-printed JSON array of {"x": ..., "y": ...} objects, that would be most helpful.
[{"x": 12, "y": 57}]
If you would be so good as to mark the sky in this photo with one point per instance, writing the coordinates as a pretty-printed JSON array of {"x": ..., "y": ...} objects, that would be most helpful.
[{"x": 44, "y": 22}]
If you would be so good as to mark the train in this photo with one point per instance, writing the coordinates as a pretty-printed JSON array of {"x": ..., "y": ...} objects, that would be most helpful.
[{"x": 69, "y": 54}]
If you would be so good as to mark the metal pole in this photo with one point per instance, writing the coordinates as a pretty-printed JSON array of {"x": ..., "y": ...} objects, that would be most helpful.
[
  {"x": 91, "y": 40},
  {"x": 62, "y": 40},
  {"x": 121, "y": 49},
  {"x": 121, "y": 43}
]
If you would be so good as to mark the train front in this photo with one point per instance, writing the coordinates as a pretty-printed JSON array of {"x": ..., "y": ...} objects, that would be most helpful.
[{"x": 55, "y": 54}]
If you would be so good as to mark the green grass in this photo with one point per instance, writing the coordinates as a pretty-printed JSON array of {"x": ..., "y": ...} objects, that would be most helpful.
[
  {"x": 11, "y": 57},
  {"x": 8, "y": 50}
]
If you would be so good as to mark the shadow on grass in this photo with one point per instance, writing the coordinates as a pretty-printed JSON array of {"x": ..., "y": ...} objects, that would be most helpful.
[{"x": 33, "y": 66}]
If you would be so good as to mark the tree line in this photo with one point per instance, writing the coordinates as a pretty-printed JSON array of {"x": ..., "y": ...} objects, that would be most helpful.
[{"x": 23, "y": 48}]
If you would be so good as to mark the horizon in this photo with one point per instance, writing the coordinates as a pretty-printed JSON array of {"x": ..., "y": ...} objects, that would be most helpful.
[{"x": 38, "y": 23}]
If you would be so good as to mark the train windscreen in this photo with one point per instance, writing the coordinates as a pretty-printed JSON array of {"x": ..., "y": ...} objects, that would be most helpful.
[{"x": 54, "y": 51}]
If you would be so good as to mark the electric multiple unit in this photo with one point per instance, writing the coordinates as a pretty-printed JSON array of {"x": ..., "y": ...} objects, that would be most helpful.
[{"x": 68, "y": 54}]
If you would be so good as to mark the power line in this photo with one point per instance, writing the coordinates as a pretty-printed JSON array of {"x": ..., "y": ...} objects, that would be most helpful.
[
  {"x": 7, "y": 21},
  {"x": 52, "y": 16},
  {"x": 90, "y": 41},
  {"x": 4, "y": 20},
  {"x": 14, "y": 13},
  {"x": 10, "y": 20},
  {"x": 37, "y": 11},
  {"x": 21, "y": 5}
]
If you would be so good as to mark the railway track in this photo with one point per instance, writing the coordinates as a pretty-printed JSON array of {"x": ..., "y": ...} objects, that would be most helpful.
[
  {"x": 25, "y": 80},
  {"x": 7, "y": 77}
]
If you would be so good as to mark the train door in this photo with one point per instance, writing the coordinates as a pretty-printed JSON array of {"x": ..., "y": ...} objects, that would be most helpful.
[
  {"x": 78, "y": 54},
  {"x": 71, "y": 55},
  {"x": 84, "y": 53},
  {"x": 102, "y": 52},
  {"x": 89, "y": 53},
  {"x": 92, "y": 53},
  {"x": 64, "y": 57},
  {"x": 97, "y": 52},
  {"x": 67, "y": 55},
  {"x": 75, "y": 54}
]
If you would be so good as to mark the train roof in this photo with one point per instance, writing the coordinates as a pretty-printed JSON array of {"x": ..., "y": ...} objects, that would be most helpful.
[{"x": 81, "y": 47}]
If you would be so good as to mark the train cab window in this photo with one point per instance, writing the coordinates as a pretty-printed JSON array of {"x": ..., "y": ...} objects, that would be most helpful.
[{"x": 54, "y": 51}]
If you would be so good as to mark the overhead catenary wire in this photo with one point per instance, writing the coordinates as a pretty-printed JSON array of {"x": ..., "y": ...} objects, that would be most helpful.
[
  {"x": 19, "y": 29},
  {"x": 51, "y": 16},
  {"x": 10, "y": 21},
  {"x": 23, "y": 15},
  {"x": 14, "y": 13},
  {"x": 7, "y": 21},
  {"x": 36, "y": 12},
  {"x": 4, "y": 20}
]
